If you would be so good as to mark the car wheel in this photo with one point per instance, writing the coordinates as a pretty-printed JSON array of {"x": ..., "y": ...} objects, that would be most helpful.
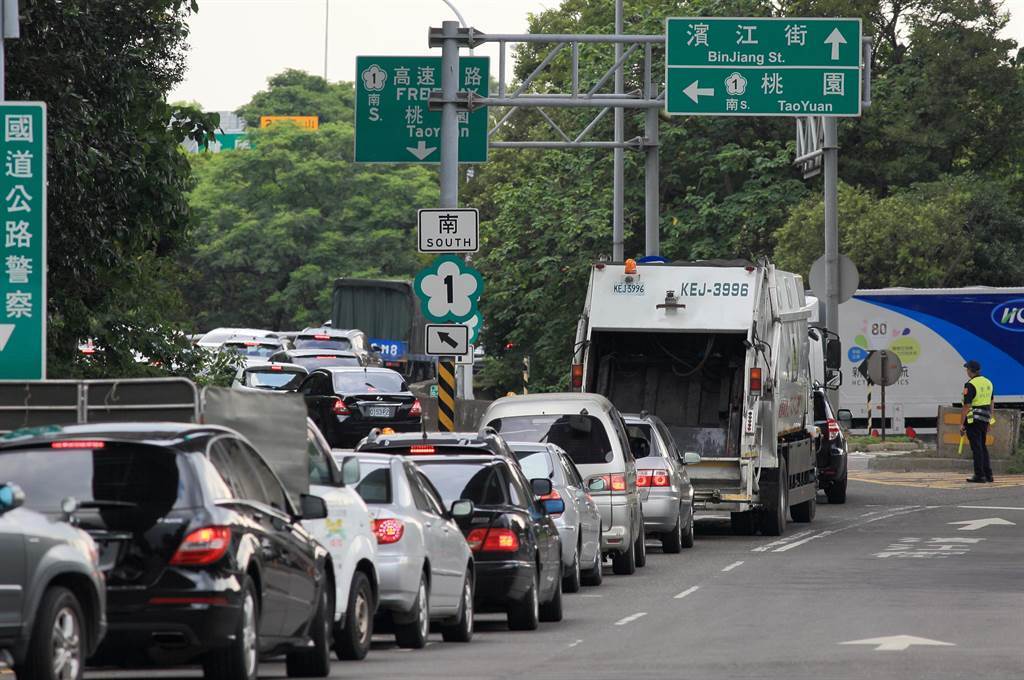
[
  {"x": 595, "y": 575},
  {"x": 352, "y": 640},
  {"x": 837, "y": 492},
  {"x": 240, "y": 659},
  {"x": 804, "y": 512},
  {"x": 571, "y": 582},
  {"x": 774, "y": 518},
  {"x": 414, "y": 634},
  {"x": 57, "y": 647},
  {"x": 462, "y": 629},
  {"x": 672, "y": 541},
  {"x": 641, "y": 548},
  {"x": 525, "y": 614},
  {"x": 688, "y": 534},
  {"x": 315, "y": 661},
  {"x": 624, "y": 563},
  {"x": 551, "y": 610}
]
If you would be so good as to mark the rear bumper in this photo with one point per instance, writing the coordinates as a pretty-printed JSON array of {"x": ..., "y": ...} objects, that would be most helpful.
[
  {"x": 661, "y": 512},
  {"x": 832, "y": 465},
  {"x": 616, "y": 523},
  {"x": 501, "y": 583}
]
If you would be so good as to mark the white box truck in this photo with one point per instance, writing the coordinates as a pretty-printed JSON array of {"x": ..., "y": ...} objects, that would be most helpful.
[
  {"x": 933, "y": 331},
  {"x": 719, "y": 351}
]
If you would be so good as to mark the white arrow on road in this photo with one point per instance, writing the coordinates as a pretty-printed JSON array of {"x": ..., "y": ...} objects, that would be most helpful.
[
  {"x": 898, "y": 643},
  {"x": 421, "y": 150},
  {"x": 694, "y": 92},
  {"x": 975, "y": 524},
  {"x": 835, "y": 39},
  {"x": 6, "y": 329}
]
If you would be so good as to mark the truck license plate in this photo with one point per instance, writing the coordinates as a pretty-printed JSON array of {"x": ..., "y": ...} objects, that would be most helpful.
[
  {"x": 628, "y": 289},
  {"x": 380, "y": 412}
]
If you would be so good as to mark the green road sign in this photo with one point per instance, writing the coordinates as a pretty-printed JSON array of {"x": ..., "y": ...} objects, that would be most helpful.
[
  {"x": 763, "y": 67},
  {"x": 393, "y": 121},
  {"x": 449, "y": 289},
  {"x": 23, "y": 275}
]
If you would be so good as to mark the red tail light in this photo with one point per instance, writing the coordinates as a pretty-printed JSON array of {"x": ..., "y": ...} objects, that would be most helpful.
[
  {"x": 577, "y": 376},
  {"x": 417, "y": 409},
  {"x": 493, "y": 540},
  {"x": 276, "y": 368},
  {"x": 340, "y": 409},
  {"x": 321, "y": 337},
  {"x": 77, "y": 444},
  {"x": 755, "y": 381},
  {"x": 421, "y": 450},
  {"x": 202, "y": 546},
  {"x": 643, "y": 478},
  {"x": 615, "y": 482},
  {"x": 388, "y": 530},
  {"x": 833, "y": 428},
  {"x": 647, "y": 478}
]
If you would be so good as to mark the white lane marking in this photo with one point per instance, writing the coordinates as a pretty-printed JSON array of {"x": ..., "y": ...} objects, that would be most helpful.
[
  {"x": 575, "y": 643},
  {"x": 630, "y": 619},
  {"x": 781, "y": 541},
  {"x": 688, "y": 591},
  {"x": 733, "y": 566},
  {"x": 988, "y": 507},
  {"x": 898, "y": 643},
  {"x": 975, "y": 524},
  {"x": 590, "y": 595},
  {"x": 903, "y": 510}
]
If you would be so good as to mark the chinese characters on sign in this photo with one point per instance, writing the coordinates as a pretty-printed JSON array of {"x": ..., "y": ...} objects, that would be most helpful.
[{"x": 23, "y": 255}]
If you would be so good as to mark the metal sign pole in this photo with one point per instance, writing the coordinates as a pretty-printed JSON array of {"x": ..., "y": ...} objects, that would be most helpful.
[
  {"x": 885, "y": 381},
  {"x": 831, "y": 177},
  {"x": 652, "y": 217}
]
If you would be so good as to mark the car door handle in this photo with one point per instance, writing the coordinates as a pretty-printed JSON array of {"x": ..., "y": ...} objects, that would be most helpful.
[{"x": 428, "y": 524}]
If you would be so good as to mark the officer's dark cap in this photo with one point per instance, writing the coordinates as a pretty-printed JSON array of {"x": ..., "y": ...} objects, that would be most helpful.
[{"x": 973, "y": 366}]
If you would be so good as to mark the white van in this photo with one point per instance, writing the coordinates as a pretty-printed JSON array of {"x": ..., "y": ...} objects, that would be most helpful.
[{"x": 592, "y": 432}]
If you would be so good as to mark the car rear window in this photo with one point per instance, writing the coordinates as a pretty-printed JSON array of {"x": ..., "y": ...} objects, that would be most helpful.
[
  {"x": 375, "y": 482},
  {"x": 535, "y": 464},
  {"x": 132, "y": 485},
  {"x": 251, "y": 350},
  {"x": 354, "y": 382},
  {"x": 583, "y": 437},
  {"x": 322, "y": 342},
  {"x": 273, "y": 380},
  {"x": 478, "y": 481},
  {"x": 646, "y": 432},
  {"x": 325, "y": 361}
]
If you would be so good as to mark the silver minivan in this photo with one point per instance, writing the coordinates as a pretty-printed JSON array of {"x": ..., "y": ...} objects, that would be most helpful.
[{"x": 592, "y": 432}]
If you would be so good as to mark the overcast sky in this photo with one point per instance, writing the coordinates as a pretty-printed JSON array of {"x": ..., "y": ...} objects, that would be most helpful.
[{"x": 237, "y": 44}]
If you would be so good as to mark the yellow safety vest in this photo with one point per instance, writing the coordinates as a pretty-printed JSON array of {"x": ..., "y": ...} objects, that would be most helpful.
[{"x": 981, "y": 405}]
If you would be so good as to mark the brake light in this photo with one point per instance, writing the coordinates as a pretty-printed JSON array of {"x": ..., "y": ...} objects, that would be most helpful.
[
  {"x": 421, "y": 449},
  {"x": 321, "y": 337},
  {"x": 615, "y": 482},
  {"x": 202, "y": 546},
  {"x": 252, "y": 344},
  {"x": 643, "y": 478},
  {"x": 388, "y": 531},
  {"x": 340, "y": 409},
  {"x": 325, "y": 356},
  {"x": 276, "y": 368},
  {"x": 833, "y": 428},
  {"x": 417, "y": 409},
  {"x": 659, "y": 478},
  {"x": 755, "y": 381},
  {"x": 577, "y": 376},
  {"x": 493, "y": 540},
  {"x": 77, "y": 444}
]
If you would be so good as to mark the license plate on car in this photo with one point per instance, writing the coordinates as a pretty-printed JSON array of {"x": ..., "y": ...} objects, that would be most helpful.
[{"x": 379, "y": 412}]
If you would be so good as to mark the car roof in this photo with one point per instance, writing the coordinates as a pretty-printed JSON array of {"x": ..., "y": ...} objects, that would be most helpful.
[
  {"x": 265, "y": 366},
  {"x": 373, "y": 456},
  {"x": 533, "y": 446},
  {"x": 155, "y": 433},
  {"x": 554, "y": 403},
  {"x": 315, "y": 352},
  {"x": 446, "y": 438},
  {"x": 449, "y": 458},
  {"x": 636, "y": 418},
  {"x": 326, "y": 330},
  {"x": 358, "y": 369},
  {"x": 258, "y": 339}
]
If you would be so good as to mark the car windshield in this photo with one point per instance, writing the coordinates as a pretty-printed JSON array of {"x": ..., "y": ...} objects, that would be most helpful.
[
  {"x": 118, "y": 486},
  {"x": 375, "y": 482},
  {"x": 324, "y": 361},
  {"x": 356, "y": 382},
  {"x": 535, "y": 464},
  {"x": 253, "y": 350},
  {"x": 475, "y": 481},
  {"x": 645, "y": 432},
  {"x": 322, "y": 342},
  {"x": 583, "y": 437},
  {"x": 274, "y": 380}
]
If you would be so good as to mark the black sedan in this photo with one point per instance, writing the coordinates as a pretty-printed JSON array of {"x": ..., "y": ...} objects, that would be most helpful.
[
  {"x": 312, "y": 359},
  {"x": 346, "y": 403},
  {"x": 511, "y": 533},
  {"x": 205, "y": 557},
  {"x": 832, "y": 450}
]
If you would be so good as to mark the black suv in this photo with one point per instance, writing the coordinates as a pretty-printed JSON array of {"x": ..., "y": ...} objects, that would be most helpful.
[
  {"x": 832, "y": 449},
  {"x": 513, "y": 538},
  {"x": 205, "y": 556}
]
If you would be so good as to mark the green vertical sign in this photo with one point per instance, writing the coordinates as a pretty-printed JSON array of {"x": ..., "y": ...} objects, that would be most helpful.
[
  {"x": 23, "y": 259},
  {"x": 393, "y": 120}
]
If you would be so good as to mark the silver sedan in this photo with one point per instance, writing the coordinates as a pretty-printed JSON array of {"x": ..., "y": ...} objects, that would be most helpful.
[
  {"x": 425, "y": 565},
  {"x": 665, "y": 490},
  {"x": 579, "y": 526}
]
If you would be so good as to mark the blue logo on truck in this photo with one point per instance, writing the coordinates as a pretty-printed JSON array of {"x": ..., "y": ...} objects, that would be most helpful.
[{"x": 1009, "y": 315}]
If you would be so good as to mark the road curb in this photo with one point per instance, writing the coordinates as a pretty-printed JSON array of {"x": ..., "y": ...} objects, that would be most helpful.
[{"x": 921, "y": 464}]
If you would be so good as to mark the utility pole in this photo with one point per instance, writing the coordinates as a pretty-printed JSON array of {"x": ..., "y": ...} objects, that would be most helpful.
[
  {"x": 618, "y": 154},
  {"x": 10, "y": 27},
  {"x": 652, "y": 179},
  {"x": 830, "y": 158},
  {"x": 327, "y": 31}
]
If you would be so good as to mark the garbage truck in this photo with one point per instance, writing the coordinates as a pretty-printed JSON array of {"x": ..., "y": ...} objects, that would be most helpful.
[{"x": 719, "y": 350}]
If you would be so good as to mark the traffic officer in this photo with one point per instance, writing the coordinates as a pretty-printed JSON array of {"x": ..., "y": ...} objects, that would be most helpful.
[{"x": 975, "y": 417}]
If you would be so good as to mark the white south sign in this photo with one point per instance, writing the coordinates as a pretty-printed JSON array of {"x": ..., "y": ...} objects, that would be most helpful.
[{"x": 448, "y": 231}]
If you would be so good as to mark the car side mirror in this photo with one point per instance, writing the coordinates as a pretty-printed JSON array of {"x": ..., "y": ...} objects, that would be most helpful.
[
  {"x": 834, "y": 380},
  {"x": 312, "y": 507},
  {"x": 845, "y": 417},
  {"x": 553, "y": 506},
  {"x": 691, "y": 458},
  {"x": 462, "y": 509},
  {"x": 540, "y": 486},
  {"x": 350, "y": 472},
  {"x": 11, "y": 497},
  {"x": 597, "y": 484}
]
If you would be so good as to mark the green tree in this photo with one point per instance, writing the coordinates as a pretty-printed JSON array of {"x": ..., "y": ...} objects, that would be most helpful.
[{"x": 297, "y": 93}]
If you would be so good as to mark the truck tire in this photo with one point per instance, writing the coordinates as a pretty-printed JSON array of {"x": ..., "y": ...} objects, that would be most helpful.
[
  {"x": 804, "y": 512},
  {"x": 743, "y": 523},
  {"x": 773, "y": 519},
  {"x": 624, "y": 563},
  {"x": 837, "y": 492}
]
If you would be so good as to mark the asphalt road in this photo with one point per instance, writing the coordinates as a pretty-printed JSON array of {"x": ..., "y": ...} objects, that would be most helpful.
[{"x": 894, "y": 561}]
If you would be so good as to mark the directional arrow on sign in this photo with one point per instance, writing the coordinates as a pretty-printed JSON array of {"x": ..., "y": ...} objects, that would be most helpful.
[
  {"x": 975, "y": 524},
  {"x": 898, "y": 643},
  {"x": 6, "y": 329},
  {"x": 447, "y": 339},
  {"x": 835, "y": 39},
  {"x": 694, "y": 92},
  {"x": 421, "y": 150}
]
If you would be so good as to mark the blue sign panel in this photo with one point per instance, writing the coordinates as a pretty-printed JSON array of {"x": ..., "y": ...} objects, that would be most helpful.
[{"x": 391, "y": 350}]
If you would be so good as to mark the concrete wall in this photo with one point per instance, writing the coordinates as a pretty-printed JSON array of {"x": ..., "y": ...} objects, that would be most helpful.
[{"x": 1002, "y": 436}]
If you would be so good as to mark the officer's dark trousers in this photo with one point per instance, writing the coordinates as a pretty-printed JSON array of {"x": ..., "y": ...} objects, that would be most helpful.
[{"x": 976, "y": 434}]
